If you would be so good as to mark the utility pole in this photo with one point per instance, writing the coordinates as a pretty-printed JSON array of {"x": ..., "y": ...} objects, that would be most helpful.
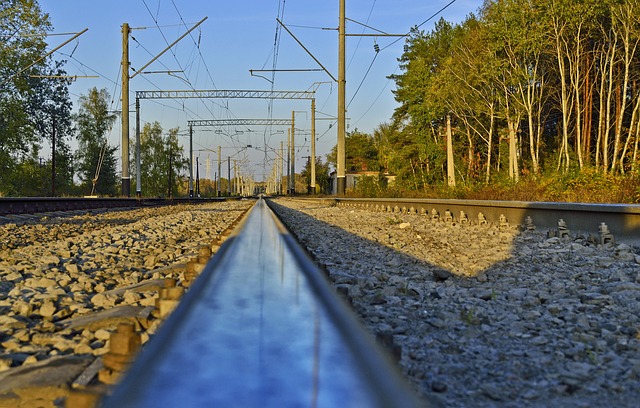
[
  {"x": 170, "y": 172},
  {"x": 191, "y": 161},
  {"x": 138, "y": 159},
  {"x": 340, "y": 156},
  {"x": 451, "y": 173},
  {"x": 288, "y": 161},
  {"x": 281, "y": 158},
  {"x": 219, "y": 171},
  {"x": 53, "y": 157},
  {"x": 229, "y": 175},
  {"x": 126, "y": 181},
  {"x": 313, "y": 146},
  {"x": 292, "y": 181},
  {"x": 197, "y": 177},
  {"x": 309, "y": 179},
  {"x": 235, "y": 177}
]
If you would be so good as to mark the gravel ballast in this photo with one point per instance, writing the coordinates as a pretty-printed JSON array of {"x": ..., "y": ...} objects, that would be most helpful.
[
  {"x": 67, "y": 281},
  {"x": 486, "y": 316}
]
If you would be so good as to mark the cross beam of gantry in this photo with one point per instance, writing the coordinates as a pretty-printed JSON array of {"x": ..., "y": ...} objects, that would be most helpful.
[
  {"x": 240, "y": 122},
  {"x": 224, "y": 94}
]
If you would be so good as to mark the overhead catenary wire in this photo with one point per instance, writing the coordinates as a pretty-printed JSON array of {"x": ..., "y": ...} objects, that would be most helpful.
[
  {"x": 360, "y": 38},
  {"x": 187, "y": 81},
  {"x": 382, "y": 49},
  {"x": 421, "y": 24},
  {"x": 189, "y": 113}
]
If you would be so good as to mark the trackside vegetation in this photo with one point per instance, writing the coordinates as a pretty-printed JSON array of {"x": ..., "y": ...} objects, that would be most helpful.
[{"x": 543, "y": 99}]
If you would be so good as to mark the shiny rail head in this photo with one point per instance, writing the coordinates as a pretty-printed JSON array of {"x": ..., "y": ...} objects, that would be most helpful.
[{"x": 261, "y": 327}]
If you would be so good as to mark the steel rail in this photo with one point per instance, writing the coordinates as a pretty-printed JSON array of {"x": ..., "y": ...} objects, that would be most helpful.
[
  {"x": 260, "y": 327},
  {"x": 33, "y": 205},
  {"x": 623, "y": 220}
]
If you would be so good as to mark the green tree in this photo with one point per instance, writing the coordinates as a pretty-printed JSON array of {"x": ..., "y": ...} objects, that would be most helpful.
[
  {"x": 323, "y": 180},
  {"x": 423, "y": 91},
  {"x": 361, "y": 153},
  {"x": 162, "y": 161},
  {"x": 32, "y": 102},
  {"x": 96, "y": 159}
]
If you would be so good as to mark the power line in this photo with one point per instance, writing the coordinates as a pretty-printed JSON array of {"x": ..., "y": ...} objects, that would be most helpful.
[
  {"x": 197, "y": 46},
  {"x": 421, "y": 24},
  {"x": 187, "y": 81},
  {"x": 375, "y": 100},
  {"x": 375, "y": 56},
  {"x": 360, "y": 38},
  {"x": 363, "y": 79}
]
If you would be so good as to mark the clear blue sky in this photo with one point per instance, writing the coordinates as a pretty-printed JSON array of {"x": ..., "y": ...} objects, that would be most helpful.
[{"x": 236, "y": 37}]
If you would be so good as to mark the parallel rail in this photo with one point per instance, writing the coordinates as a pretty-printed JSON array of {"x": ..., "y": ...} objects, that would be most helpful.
[
  {"x": 33, "y": 205},
  {"x": 623, "y": 220},
  {"x": 260, "y": 327}
]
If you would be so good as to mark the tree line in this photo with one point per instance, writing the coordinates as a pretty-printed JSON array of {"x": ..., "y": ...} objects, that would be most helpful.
[
  {"x": 531, "y": 88},
  {"x": 36, "y": 110}
]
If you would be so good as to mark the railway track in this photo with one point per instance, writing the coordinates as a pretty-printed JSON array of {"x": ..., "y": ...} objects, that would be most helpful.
[
  {"x": 486, "y": 315},
  {"x": 261, "y": 327},
  {"x": 12, "y": 206},
  {"x": 622, "y": 221},
  {"x": 413, "y": 303}
]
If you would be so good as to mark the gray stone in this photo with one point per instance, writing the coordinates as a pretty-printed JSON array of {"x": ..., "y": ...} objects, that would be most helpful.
[{"x": 104, "y": 300}]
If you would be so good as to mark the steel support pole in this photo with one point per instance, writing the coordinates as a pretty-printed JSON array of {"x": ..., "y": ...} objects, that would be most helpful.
[
  {"x": 292, "y": 181},
  {"x": 235, "y": 177},
  {"x": 229, "y": 175},
  {"x": 197, "y": 177},
  {"x": 138, "y": 158},
  {"x": 288, "y": 161},
  {"x": 126, "y": 181},
  {"x": 53, "y": 157},
  {"x": 191, "y": 161},
  {"x": 281, "y": 158},
  {"x": 340, "y": 159},
  {"x": 219, "y": 171},
  {"x": 313, "y": 146}
]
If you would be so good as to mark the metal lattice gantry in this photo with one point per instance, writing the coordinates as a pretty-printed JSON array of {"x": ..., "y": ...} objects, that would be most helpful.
[
  {"x": 217, "y": 94},
  {"x": 225, "y": 94},
  {"x": 239, "y": 122}
]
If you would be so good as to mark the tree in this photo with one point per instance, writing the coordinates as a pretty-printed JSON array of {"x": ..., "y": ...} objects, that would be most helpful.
[
  {"x": 361, "y": 153},
  {"x": 322, "y": 175},
  {"x": 96, "y": 159},
  {"x": 424, "y": 93},
  {"x": 32, "y": 101},
  {"x": 515, "y": 34},
  {"x": 162, "y": 161}
]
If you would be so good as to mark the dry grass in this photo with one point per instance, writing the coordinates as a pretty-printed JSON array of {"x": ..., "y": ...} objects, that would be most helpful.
[{"x": 587, "y": 186}]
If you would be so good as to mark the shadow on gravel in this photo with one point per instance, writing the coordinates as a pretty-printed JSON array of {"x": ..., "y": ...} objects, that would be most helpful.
[{"x": 445, "y": 249}]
